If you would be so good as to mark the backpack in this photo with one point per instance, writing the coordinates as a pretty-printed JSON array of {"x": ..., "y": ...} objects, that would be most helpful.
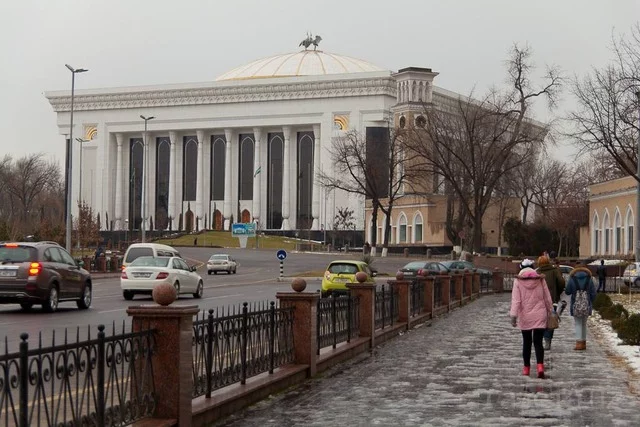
[{"x": 581, "y": 304}]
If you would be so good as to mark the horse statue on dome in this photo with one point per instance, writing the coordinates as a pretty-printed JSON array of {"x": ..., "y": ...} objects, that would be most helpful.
[{"x": 310, "y": 41}]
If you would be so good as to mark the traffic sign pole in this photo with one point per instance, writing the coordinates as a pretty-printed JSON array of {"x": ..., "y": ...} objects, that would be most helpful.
[{"x": 281, "y": 269}]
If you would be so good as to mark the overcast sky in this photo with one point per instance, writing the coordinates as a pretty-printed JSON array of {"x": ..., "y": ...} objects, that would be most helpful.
[{"x": 135, "y": 42}]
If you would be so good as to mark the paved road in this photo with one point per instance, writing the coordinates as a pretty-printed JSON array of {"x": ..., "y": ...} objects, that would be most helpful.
[
  {"x": 256, "y": 280},
  {"x": 464, "y": 370}
]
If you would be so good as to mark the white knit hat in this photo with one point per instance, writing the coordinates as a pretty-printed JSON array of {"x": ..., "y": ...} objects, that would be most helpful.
[{"x": 526, "y": 263}]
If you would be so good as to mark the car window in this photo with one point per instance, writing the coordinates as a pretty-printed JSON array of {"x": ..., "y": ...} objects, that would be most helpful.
[
  {"x": 176, "y": 264},
  {"x": 18, "y": 254},
  {"x": 219, "y": 257},
  {"x": 146, "y": 261},
  {"x": 343, "y": 269},
  {"x": 64, "y": 255},
  {"x": 415, "y": 265},
  {"x": 183, "y": 265},
  {"x": 135, "y": 253}
]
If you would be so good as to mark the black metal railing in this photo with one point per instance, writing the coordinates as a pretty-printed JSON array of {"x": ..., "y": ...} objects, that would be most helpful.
[
  {"x": 486, "y": 283},
  {"x": 338, "y": 320},
  {"x": 417, "y": 297},
  {"x": 104, "y": 381},
  {"x": 437, "y": 292},
  {"x": 240, "y": 342},
  {"x": 386, "y": 306}
]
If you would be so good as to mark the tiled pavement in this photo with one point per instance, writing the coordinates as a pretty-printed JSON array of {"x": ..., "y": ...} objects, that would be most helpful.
[{"x": 463, "y": 370}]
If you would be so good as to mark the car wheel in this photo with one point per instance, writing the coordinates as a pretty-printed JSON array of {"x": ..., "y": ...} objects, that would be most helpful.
[
  {"x": 26, "y": 306},
  {"x": 234, "y": 270},
  {"x": 85, "y": 302},
  {"x": 229, "y": 271},
  {"x": 128, "y": 295},
  {"x": 51, "y": 304},
  {"x": 199, "y": 290},
  {"x": 209, "y": 272},
  {"x": 325, "y": 294},
  {"x": 177, "y": 286},
  {"x": 215, "y": 272},
  {"x": 636, "y": 282}
]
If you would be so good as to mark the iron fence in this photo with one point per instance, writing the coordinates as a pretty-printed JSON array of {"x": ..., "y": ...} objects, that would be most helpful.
[
  {"x": 437, "y": 292},
  {"x": 240, "y": 342},
  {"x": 386, "y": 306},
  {"x": 338, "y": 320},
  {"x": 104, "y": 381},
  {"x": 507, "y": 281},
  {"x": 417, "y": 297},
  {"x": 486, "y": 283}
]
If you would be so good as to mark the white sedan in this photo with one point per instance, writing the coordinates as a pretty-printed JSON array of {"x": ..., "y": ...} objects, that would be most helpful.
[
  {"x": 221, "y": 262},
  {"x": 145, "y": 272}
]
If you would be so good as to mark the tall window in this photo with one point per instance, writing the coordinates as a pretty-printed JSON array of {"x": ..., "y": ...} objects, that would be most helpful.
[
  {"x": 275, "y": 155},
  {"x": 217, "y": 162},
  {"x": 402, "y": 229},
  {"x": 136, "y": 154},
  {"x": 305, "y": 180},
  {"x": 417, "y": 228},
  {"x": 245, "y": 183},
  {"x": 596, "y": 235},
  {"x": 163, "y": 148},
  {"x": 189, "y": 168},
  {"x": 607, "y": 233},
  {"x": 629, "y": 221},
  {"x": 618, "y": 233}
]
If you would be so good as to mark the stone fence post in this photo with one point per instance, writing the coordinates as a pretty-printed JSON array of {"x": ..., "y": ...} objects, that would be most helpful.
[
  {"x": 498, "y": 280},
  {"x": 475, "y": 289},
  {"x": 172, "y": 358},
  {"x": 366, "y": 292},
  {"x": 468, "y": 283},
  {"x": 458, "y": 279},
  {"x": 446, "y": 291},
  {"x": 305, "y": 325},
  {"x": 404, "y": 297}
]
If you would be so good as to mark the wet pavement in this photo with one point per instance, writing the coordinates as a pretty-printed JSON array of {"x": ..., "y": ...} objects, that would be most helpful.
[{"x": 463, "y": 370}]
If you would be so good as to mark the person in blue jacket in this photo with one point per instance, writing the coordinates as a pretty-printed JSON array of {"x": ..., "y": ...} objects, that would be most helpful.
[{"x": 579, "y": 280}]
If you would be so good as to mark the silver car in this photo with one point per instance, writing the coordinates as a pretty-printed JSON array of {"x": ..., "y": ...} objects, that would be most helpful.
[
  {"x": 631, "y": 275},
  {"x": 221, "y": 262}
]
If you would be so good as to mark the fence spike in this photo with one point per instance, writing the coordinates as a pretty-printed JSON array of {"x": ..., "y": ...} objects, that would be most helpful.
[{"x": 65, "y": 337}]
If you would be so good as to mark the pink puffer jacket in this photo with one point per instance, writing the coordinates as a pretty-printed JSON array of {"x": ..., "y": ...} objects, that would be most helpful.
[{"x": 530, "y": 300}]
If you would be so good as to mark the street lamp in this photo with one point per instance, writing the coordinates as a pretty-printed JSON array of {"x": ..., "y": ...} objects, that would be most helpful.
[
  {"x": 74, "y": 71},
  {"x": 80, "y": 199},
  {"x": 144, "y": 174},
  {"x": 126, "y": 231}
]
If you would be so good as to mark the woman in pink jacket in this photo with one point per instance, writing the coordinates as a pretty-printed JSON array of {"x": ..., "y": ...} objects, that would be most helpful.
[{"x": 530, "y": 306}]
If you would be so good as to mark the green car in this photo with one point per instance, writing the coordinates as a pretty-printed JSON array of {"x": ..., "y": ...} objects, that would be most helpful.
[{"x": 341, "y": 272}]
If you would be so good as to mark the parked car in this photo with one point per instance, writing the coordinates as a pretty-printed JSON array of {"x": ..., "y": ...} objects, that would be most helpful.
[
  {"x": 485, "y": 273},
  {"x": 415, "y": 268},
  {"x": 145, "y": 272},
  {"x": 341, "y": 272},
  {"x": 631, "y": 275},
  {"x": 42, "y": 273},
  {"x": 565, "y": 270},
  {"x": 222, "y": 262},
  {"x": 137, "y": 250}
]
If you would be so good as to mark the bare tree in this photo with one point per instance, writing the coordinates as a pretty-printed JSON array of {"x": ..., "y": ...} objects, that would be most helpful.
[
  {"x": 606, "y": 120},
  {"x": 472, "y": 143}
]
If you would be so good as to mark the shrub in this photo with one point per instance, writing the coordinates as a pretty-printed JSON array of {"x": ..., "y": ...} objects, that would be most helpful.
[
  {"x": 618, "y": 323},
  {"x": 613, "y": 312},
  {"x": 629, "y": 333},
  {"x": 602, "y": 301},
  {"x": 368, "y": 259}
]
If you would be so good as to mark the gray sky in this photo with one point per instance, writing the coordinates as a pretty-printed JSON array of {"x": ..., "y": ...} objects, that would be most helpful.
[{"x": 134, "y": 42}]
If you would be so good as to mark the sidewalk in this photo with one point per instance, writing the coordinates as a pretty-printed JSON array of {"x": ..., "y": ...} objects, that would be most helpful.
[{"x": 441, "y": 375}]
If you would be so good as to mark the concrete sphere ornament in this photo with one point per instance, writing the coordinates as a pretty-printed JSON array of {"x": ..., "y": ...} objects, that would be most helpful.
[
  {"x": 361, "y": 276},
  {"x": 164, "y": 294},
  {"x": 298, "y": 284}
]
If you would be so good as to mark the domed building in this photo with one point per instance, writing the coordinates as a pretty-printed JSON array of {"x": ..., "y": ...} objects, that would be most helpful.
[{"x": 247, "y": 147}]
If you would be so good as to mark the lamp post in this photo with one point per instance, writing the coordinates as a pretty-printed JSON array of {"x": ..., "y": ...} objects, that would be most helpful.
[
  {"x": 637, "y": 230},
  {"x": 69, "y": 225},
  {"x": 144, "y": 176},
  {"x": 80, "y": 198},
  {"x": 126, "y": 231}
]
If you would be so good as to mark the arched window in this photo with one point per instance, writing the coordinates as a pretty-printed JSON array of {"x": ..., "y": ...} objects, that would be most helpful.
[
  {"x": 606, "y": 226},
  {"x": 629, "y": 223},
  {"x": 402, "y": 228},
  {"x": 417, "y": 228},
  {"x": 617, "y": 236},
  {"x": 595, "y": 245}
]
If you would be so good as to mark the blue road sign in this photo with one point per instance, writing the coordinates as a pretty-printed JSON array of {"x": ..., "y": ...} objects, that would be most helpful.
[{"x": 281, "y": 254}]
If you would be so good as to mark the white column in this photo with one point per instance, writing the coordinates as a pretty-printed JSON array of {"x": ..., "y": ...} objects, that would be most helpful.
[
  {"x": 257, "y": 174},
  {"x": 286, "y": 166},
  {"x": 315, "y": 202},
  {"x": 199, "y": 173},
  {"x": 119, "y": 208},
  {"x": 173, "y": 137},
  {"x": 228, "y": 135}
]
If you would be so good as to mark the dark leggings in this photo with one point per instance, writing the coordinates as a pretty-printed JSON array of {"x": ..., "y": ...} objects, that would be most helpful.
[{"x": 536, "y": 334}]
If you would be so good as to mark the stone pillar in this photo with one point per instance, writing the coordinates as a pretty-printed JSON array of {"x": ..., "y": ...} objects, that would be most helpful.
[
  {"x": 428, "y": 283},
  {"x": 172, "y": 358},
  {"x": 498, "y": 281},
  {"x": 475, "y": 285},
  {"x": 315, "y": 201},
  {"x": 257, "y": 174},
  {"x": 458, "y": 280},
  {"x": 286, "y": 173},
  {"x": 468, "y": 281},
  {"x": 199, "y": 181},
  {"x": 305, "y": 326},
  {"x": 404, "y": 299},
  {"x": 173, "y": 137},
  {"x": 446, "y": 290},
  {"x": 226, "y": 207},
  {"x": 366, "y": 292},
  {"x": 119, "y": 207}
]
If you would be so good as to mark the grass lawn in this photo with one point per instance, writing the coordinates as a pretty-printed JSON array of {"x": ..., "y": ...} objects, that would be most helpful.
[{"x": 225, "y": 240}]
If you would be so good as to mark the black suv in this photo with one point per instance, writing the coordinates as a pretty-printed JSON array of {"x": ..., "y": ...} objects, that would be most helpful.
[{"x": 41, "y": 273}]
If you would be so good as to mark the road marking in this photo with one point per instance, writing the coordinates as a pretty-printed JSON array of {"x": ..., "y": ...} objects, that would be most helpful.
[
  {"x": 112, "y": 311},
  {"x": 224, "y": 296}
]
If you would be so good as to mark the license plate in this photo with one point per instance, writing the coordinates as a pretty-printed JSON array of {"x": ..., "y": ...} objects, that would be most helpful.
[
  {"x": 341, "y": 279},
  {"x": 141, "y": 275},
  {"x": 8, "y": 273}
]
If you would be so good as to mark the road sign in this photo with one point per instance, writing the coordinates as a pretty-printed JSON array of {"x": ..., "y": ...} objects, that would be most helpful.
[
  {"x": 281, "y": 254},
  {"x": 247, "y": 229}
]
